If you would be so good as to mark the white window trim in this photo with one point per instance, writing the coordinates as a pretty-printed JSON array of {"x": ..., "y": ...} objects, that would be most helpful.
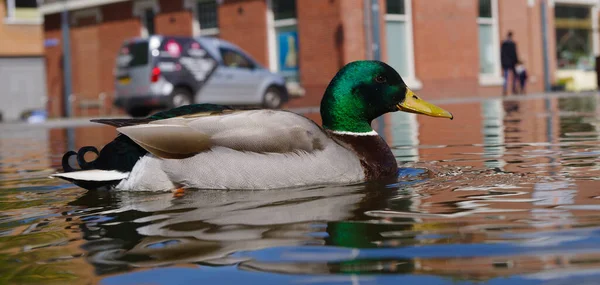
[
  {"x": 411, "y": 80},
  {"x": 285, "y": 22},
  {"x": 493, "y": 79},
  {"x": 580, "y": 2},
  {"x": 395, "y": 17},
  {"x": 138, "y": 10},
  {"x": 196, "y": 29},
  {"x": 9, "y": 19},
  {"x": 86, "y": 13},
  {"x": 271, "y": 41},
  {"x": 209, "y": 32}
]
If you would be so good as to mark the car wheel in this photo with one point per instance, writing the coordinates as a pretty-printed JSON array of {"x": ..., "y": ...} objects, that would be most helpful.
[
  {"x": 181, "y": 97},
  {"x": 139, "y": 112},
  {"x": 272, "y": 98}
]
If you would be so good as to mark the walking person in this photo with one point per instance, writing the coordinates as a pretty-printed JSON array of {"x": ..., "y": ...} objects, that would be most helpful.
[
  {"x": 522, "y": 74},
  {"x": 509, "y": 59}
]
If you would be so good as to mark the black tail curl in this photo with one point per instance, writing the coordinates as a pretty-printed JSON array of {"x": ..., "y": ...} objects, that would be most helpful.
[{"x": 83, "y": 165}]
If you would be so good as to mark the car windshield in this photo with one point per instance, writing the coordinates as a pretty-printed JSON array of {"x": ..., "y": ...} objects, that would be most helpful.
[{"x": 133, "y": 54}]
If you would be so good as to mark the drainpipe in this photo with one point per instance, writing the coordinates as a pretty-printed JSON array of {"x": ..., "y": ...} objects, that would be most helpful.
[
  {"x": 375, "y": 40},
  {"x": 10, "y": 9},
  {"x": 545, "y": 45},
  {"x": 66, "y": 46},
  {"x": 375, "y": 31},
  {"x": 547, "y": 102}
]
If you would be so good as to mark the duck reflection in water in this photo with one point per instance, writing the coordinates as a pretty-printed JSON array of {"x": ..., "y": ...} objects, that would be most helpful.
[{"x": 224, "y": 227}]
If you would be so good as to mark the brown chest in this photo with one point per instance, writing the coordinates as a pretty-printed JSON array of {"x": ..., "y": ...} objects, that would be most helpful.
[{"x": 375, "y": 156}]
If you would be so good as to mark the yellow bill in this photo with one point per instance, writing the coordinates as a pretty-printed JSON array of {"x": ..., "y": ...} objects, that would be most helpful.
[{"x": 413, "y": 104}]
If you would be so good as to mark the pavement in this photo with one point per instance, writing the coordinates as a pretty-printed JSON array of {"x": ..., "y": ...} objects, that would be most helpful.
[{"x": 85, "y": 121}]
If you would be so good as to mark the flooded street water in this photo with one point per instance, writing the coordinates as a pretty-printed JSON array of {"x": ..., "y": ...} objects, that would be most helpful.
[{"x": 506, "y": 193}]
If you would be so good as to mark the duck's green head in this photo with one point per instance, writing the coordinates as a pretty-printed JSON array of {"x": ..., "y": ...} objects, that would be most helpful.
[{"x": 364, "y": 90}]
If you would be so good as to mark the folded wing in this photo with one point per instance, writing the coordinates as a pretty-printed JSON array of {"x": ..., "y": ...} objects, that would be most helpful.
[{"x": 261, "y": 131}]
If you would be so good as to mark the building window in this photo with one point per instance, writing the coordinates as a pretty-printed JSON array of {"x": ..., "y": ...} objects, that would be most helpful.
[
  {"x": 85, "y": 15},
  {"x": 492, "y": 112},
  {"x": 283, "y": 9},
  {"x": 146, "y": 10},
  {"x": 399, "y": 40},
  {"x": 489, "y": 43},
  {"x": 205, "y": 16},
  {"x": 148, "y": 20},
  {"x": 574, "y": 37},
  {"x": 283, "y": 44},
  {"x": 486, "y": 42},
  {"x": 22, "y": 12},
  {"x": 395, "y": 7}
]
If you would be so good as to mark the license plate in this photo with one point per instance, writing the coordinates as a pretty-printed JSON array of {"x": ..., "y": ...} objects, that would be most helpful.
[{"x": 125, "y": 80}]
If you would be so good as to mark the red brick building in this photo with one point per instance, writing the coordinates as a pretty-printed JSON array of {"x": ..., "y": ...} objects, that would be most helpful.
[{"x": 442, "y": 48}]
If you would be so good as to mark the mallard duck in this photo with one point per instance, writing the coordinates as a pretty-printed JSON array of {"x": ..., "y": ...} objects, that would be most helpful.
[{"x": 207, "y": 146}]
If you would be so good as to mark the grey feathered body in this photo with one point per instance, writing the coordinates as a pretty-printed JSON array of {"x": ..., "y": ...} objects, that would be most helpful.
[{"x": 258, "y": 149}]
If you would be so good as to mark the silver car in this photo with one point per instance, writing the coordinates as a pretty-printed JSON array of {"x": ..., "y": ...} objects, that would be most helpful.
[{"x": 168, "y": 71}]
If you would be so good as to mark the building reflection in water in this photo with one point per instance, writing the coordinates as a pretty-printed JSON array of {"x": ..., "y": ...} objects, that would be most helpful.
[
  {"x": 405, "y": 136},
  {"x": 492, "y": 112}
]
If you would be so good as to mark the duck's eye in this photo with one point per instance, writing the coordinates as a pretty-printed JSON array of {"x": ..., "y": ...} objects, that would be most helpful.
[{"x": 380, "y": 79}]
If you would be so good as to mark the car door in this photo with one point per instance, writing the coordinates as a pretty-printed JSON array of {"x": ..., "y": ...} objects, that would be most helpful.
[
  {"x": 241, "y": 76},
  {"x": 218, "y": 88}
]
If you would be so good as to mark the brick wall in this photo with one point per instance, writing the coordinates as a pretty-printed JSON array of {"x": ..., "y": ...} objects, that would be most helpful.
[
  {"x": 173, "y": 19},
  {"x": 94, "y": 48},
  {"x": 320, "y": 40},
  {"x": 85, "y": 63},
  {"x": 118, "y": 24},
  {"x": 244, "y": 23},
  {"x": 352, "y": 17},
  {"x": 53, "y": 59},
  {"x": 450, "y": 67}
]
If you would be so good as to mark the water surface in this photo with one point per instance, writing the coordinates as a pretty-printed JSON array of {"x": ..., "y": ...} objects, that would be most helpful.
[{"x": 506, "y": 193}]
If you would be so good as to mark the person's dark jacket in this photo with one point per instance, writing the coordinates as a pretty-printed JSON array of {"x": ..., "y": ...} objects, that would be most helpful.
[{"x": 508, "y": 54}]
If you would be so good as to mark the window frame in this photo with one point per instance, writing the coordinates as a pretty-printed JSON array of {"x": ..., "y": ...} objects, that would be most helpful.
[
  {"x": 495, "y": 78},
  {"x": 411, "y": 80},
  {"x": 197, "y": 30},
  {"x": 139, "y": 10},
  {"x": 594, "y": 6},
  {"x": 10, "y": 19}
]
